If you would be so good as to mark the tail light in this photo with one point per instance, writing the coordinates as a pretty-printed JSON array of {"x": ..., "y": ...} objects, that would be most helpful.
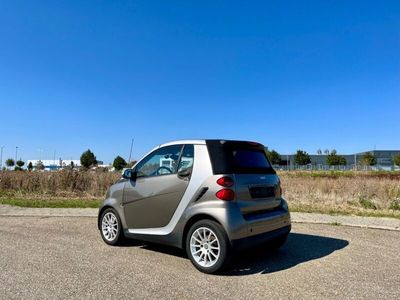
[
  {"x": 225, "y": 181},
  {"x": 225, "y": 194}
]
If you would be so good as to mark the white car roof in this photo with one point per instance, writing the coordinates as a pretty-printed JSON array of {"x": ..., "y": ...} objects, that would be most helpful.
[{"x": 180, "y": 142}]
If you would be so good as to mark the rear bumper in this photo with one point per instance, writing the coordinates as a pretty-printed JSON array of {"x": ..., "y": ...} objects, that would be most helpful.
[
  {"x": 252, "y": 241},
  {"x": 251, "y": 230}
]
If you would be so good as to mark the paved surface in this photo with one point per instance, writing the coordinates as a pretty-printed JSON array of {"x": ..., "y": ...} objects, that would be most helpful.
[
  {"x": 54, "y": 257},
  {"x": 369, "y": 222}
]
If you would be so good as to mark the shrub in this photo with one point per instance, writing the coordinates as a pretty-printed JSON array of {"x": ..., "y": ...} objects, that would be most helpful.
[
  {"x": 368, "y": 159},
  {"x": 10, "y": 162},
  {"x": 366, "y": 203},
  {"x": 88, "y": 159},
  {"x": 397, "y": 160},
  {"x": 274, "y": 157},
  {"x": 39, "y": 166},
  {"x": 119, "y": 163},
  {"x": 302, "y": 158},
  {"x": 395, "y": 204},
  {"x": 335, "y": 160}
]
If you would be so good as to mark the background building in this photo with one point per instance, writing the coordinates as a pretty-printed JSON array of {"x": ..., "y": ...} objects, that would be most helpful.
[
  {"x": 384, "y": 160},
  {"x": 52, "y": 165}
]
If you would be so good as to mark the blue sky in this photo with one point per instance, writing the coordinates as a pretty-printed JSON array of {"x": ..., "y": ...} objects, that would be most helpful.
[{"x": 290, "y": 74}]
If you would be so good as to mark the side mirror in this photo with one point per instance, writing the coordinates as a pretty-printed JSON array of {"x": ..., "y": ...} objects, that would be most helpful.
[
  {"x": 185, "y": 173},
  {"x": 129, "y": 174}
]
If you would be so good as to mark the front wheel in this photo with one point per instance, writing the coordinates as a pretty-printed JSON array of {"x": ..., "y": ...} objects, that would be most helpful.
[
  {"x": 207, "y": 246},
  {"x": 110, "y": 227}
]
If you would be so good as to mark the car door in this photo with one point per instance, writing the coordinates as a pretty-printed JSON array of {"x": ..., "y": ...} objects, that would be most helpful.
[{"x": 152, "y": 198}]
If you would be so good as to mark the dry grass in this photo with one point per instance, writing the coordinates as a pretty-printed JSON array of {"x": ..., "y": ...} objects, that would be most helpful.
[
  {"x": 64, "y": 184},
  {"x": 349, "y": 192},
  {"x": 368, "y": 193}
]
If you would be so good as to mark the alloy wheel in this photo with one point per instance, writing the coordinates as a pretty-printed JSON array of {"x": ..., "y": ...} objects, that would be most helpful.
[
  {"x": 109, "y": 226},
  {"x": 205, "y": 247}
]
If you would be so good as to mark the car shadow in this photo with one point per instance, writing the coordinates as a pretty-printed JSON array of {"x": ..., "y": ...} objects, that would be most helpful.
[
  {"x": 299, "y": 248},
  {"x": 154, "y": 247}
]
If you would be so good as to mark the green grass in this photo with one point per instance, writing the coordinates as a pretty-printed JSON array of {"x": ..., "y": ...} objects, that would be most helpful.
[
  {"x": 94, "y": 203},
  {"x": 53, "y": 203},
  {"x": 330, "y": 211},
  {"x": 335, "y": 224}
]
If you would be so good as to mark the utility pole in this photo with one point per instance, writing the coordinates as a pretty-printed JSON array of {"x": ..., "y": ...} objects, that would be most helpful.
[
  {"x": 355, "y": 161},
  {"x": 16, "y": 154},
  {"x": 130, "y": 152},
  {"x": 40, "y": 153},
  {"x": 1, "y": 158},
  {"x": 287, "y": 162},
  {"x": 54, "y": 158}
]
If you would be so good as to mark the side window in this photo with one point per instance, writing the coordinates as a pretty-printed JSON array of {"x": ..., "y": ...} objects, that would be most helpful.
[
  {"x": 187, "y": 158},
  {"x": 162, "y": 161}
]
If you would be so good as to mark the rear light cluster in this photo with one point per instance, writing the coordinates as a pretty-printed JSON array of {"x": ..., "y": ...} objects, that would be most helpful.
[{"x": 226, "y": 193}]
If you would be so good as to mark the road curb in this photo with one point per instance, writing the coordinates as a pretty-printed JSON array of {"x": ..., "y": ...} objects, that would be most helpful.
[{"x": 348, "y": 225}]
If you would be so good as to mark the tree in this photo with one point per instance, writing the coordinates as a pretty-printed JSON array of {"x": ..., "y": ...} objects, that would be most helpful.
[
  {"x": 319, "y": 151},
  {"x": 397, "y": 160},
  {"x": 302, "y": 158},
  {"x": 39, "y": 166},
  {"x": 10, "y": 162},
  {"x": 88, "y": 159},
  {"x": 119, "y": 163},
  {"x": 333, "y": 151},
  {"x": 326, "y": 151},
  {"x": 72, "y": 165},
  {"x": 30, "y": 166},
  {"x": 19, "y": 166},
  {"x": 274, "y": 157},
  {"x": 368, "y": 159},
  {"x": 335, "y": 160}
]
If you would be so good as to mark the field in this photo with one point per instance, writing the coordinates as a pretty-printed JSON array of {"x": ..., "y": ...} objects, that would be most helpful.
[{"x": 359, "y": 193}]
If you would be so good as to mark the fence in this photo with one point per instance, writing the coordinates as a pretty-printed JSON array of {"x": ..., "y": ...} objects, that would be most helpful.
[{"x": 320, "y": 167}]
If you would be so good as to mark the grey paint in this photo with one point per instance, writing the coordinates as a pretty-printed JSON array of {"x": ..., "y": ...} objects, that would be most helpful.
[
  {"x": 150, "y": 202},
  {"x": 201, "y": 170}
]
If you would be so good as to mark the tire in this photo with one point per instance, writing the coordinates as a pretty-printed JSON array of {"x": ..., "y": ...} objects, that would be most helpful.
[
  {"x": 208, "y": 246},
  {"x": 111, "y": 228}
]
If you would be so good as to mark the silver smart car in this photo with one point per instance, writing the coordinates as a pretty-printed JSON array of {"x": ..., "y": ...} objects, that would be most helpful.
[{"x": 209, "y": 197}]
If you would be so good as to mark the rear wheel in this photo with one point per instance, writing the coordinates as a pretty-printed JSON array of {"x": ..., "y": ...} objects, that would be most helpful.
[
  {"x": 110, "y": 227},
  {"x": 207, "y": 246}
]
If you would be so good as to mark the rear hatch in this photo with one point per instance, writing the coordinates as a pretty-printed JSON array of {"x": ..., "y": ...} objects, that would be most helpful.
[{"x": 257, "y": 187}]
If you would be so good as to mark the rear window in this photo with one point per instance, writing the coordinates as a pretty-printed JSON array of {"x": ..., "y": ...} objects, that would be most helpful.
[
  {"x": 238, "y": 157},
  {"x": 250, "y": 159}
]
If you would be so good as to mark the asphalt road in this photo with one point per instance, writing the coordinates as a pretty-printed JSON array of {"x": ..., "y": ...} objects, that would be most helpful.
[{"x": 66, "y": 258}]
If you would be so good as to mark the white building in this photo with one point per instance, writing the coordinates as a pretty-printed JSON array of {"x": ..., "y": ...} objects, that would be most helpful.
[{"x": 51, "y": 164}]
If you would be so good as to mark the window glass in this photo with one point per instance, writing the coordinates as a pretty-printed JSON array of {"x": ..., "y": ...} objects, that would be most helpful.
[
  {"x": 163, "y": 161},
  {"x": 187, "y": 158},
  {"x": 250, "y": 159}
]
